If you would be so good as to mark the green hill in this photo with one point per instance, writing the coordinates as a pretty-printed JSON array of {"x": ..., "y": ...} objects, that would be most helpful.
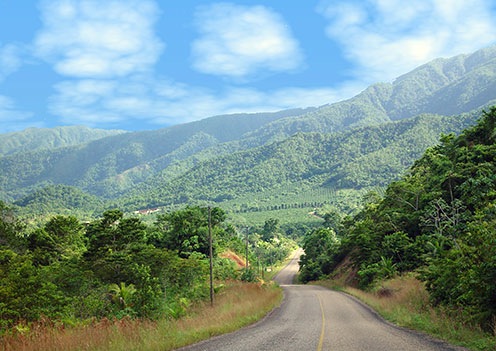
[
  {"x": 34, "y": 139},
  {"x": 359, "y": 143},
  {"x": 437, "y": 220},
  {"x": 358, "y": 158}
]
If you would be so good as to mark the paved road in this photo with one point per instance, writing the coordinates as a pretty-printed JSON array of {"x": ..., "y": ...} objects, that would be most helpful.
[{"x": 315, "y": 318}]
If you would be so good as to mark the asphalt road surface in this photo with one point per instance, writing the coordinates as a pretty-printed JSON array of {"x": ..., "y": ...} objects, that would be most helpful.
[{"x": 315, "y": 318}]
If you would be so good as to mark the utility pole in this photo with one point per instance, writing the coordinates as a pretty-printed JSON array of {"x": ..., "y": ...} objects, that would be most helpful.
[
  {"x": 246, "y": 264},
  {"x": 211, "y": 256}
]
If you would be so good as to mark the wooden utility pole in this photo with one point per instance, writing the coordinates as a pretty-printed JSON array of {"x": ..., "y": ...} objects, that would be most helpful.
[
  {"x": 211, "y": 256},
  {"x": 246, "y": 264}
]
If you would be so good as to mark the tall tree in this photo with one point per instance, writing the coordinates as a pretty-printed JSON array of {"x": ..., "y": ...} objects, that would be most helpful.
[{"x": 186, "y": 231}]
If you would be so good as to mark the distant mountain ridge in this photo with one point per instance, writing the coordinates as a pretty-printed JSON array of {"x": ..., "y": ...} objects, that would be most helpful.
[
  {"x": 361, "y": 157},
  {"x": 444, "y": 86},
  {"x": 121, "y": 160},
  {"x": 34, "y": 139},
  {"x": 328, "y": 146}
]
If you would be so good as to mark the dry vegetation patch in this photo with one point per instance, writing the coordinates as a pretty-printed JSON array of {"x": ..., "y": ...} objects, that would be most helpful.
[
  {"x": 237, "y": 305},
  {"x": 404, "y": 301}
]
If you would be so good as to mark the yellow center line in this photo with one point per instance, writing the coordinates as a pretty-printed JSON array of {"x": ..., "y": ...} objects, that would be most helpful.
[{"x": 321, "y": 340}]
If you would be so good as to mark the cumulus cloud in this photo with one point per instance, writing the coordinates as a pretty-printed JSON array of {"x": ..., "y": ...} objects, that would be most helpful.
[
  {"x": 101, "y": 49},
  {"x": 387, "y": 38},
  {"x": 107, "y": 54},
  {"x": 239, "y": 41},
  {"x": 90, "y": 38}
]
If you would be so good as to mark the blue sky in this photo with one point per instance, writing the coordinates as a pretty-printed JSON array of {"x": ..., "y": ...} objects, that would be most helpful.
[{"x": 144, "y": 64}]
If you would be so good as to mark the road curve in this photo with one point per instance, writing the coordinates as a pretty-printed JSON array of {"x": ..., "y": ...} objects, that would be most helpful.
[{"x": 315, "y": 318}]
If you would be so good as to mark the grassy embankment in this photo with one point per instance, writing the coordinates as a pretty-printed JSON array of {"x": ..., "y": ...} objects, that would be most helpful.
[
  {"x": 238, "y": 305},
  {"x": 405, "y": 302}
]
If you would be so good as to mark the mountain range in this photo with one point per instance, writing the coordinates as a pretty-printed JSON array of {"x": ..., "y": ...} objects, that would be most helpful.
[{"x": 244, "y": 160}]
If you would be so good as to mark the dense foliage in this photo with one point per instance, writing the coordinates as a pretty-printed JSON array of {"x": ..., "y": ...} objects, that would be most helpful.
[
  {"x": 61, "y": 199},
  {"x": 366, "y": 141},
  {"x": 439, "y": 219},
  {"x": 358, "y": 158},
  {"x": 321, "y": 247},
  {"x": 113, "y": 266}
]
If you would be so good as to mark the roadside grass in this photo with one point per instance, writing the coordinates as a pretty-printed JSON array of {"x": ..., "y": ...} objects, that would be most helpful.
[
  {"x": 237, "y": 305},
  {"x": 404, "y": 301}
]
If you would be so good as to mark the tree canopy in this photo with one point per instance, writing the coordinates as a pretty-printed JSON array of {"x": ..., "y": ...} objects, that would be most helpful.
[{"x": 438, "y": 220}]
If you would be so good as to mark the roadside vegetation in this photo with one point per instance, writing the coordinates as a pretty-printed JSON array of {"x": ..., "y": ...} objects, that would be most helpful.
[
  {"x": 238, "y": 304},
  {"x": 67, "y": 280},
  {"x": 436, "y": 226},
  {"x": 404, "y": 301}
]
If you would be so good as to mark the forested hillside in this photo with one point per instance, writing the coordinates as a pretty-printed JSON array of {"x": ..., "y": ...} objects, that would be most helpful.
[
  {"x": 360, "y": 143},
  {"x": 110, "y": 165},
  {"x": 438, "y": 220},
  {"x": 34, "y": 139},
  {"x": 361, "y": 157},
  {"x": 444, "y": 86}
]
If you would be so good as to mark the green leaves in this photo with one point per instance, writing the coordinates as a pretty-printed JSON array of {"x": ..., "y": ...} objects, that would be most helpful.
[
  {"x": 439, "y": 219},
  {"x": 115, "y": 266},
  {"x": 122, "y": 294},
  {"x": 27, "y": 292},
  {"x": 320, "y": 246},
  {"x": 186, "y": 230}
]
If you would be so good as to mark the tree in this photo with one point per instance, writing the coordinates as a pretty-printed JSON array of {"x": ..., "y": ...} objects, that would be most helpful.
[
  {"x": 186, "y": 230},
  {"x": 114, "y": 233},
  {"x": 332, "y": 220},
  {"x": 26, "y": 291},
  {"x": 115, "y": 243},
  {"x": 270, "y": 229},
  {"x": 68, "y": 235},
  {"x": 11, "y": 230},
  {"x": 320, "y": 246}
]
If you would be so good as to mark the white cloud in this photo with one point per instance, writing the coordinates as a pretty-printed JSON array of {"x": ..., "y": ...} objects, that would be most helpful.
[
  {"x": 111, "y": 103},
  {"x": 98, "y": 39},
  {"x": 107, "y": 50},
  {"x": 79, "y": 101},
  {"x": 239, "y": 41},
  {"x": 387, "y": 38},
  {"x": 11, "y": 118},
  {"x": 104, "y": 47},
  {"x": 111, "y": 50},
  {"x": 10, "y": 59},
  {"x": 203, "y": 103}
]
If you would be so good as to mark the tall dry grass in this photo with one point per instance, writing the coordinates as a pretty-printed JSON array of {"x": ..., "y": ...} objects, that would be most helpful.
[
  {"x": 44, "y": 335},
  {"x": 244, "y": 305},
  {"x": 239, "y": 304},
  {"x": 405, "y": 302}
]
